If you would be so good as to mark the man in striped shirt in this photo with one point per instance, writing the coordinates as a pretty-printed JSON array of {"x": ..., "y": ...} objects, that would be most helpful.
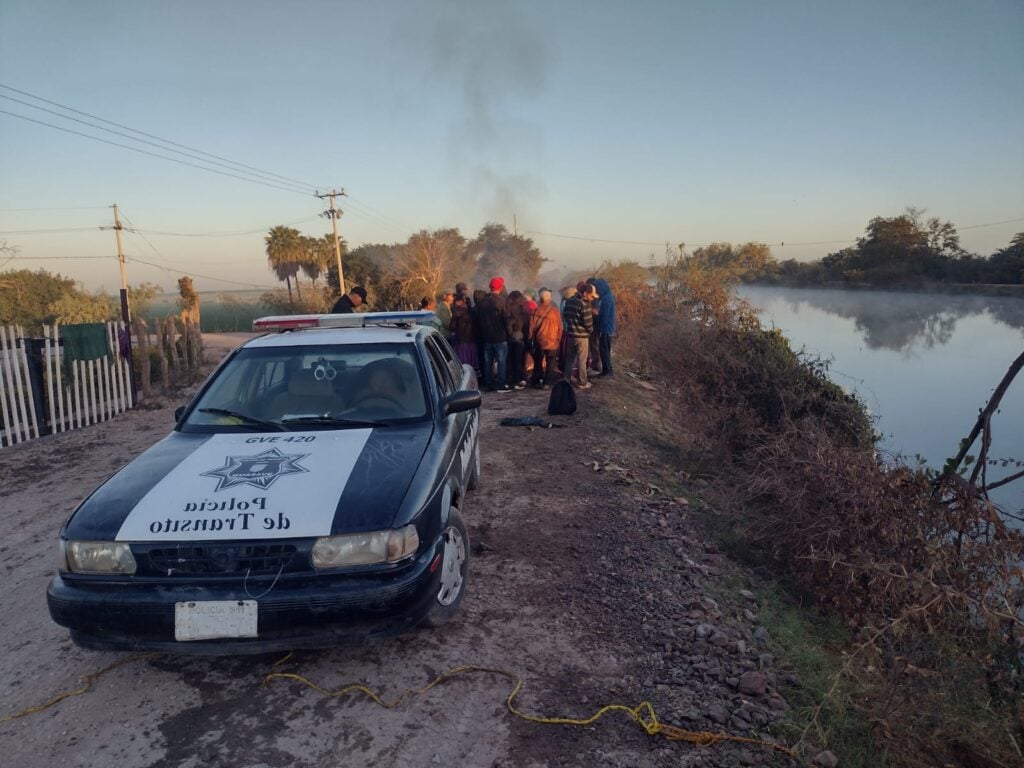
[{"x": 578, "y": 322}]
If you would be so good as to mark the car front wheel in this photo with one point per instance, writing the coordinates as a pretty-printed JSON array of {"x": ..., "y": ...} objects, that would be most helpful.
[{"x": 454, "y": 572}]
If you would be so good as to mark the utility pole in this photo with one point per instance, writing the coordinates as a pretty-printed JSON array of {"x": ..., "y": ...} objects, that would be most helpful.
[
  {"x": 125, "y": 313},
  {"x": 334, "y": 214},
  {"x": 515, "y": 225},
  {"x": 125, "y": 309}
]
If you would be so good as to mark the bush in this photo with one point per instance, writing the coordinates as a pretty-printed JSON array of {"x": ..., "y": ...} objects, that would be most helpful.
[{"x": 920, "y": 566}]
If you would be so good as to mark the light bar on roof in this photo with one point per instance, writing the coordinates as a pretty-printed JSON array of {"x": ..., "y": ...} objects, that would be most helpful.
[{"x": 350, "y": 320}]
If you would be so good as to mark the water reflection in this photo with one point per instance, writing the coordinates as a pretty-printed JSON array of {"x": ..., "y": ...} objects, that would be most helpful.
[
  {"x": 925, "y": 363},
  {"x": 902, "y": 322}
]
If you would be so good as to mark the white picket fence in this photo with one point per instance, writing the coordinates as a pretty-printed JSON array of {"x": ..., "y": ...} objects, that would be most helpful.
[{"x": 95, "y": 391}]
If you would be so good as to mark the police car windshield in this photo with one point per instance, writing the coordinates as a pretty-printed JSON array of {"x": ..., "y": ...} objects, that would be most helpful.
[{"x": 319, "y": 386}]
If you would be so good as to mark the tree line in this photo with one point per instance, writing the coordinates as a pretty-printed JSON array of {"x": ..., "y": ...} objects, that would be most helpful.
[
  {"x": 397, "y": 274},
  {"x": 906, "y": 250}
]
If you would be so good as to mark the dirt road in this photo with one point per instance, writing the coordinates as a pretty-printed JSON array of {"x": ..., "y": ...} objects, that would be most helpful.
[{"x": 592, "y": 585}]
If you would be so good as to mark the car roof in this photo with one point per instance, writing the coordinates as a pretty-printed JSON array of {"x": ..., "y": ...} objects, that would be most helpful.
[{"x": 340, "y": 336}]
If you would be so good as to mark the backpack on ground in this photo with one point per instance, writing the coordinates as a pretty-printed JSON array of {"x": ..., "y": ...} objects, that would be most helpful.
[{"x": 563, "y": 399}]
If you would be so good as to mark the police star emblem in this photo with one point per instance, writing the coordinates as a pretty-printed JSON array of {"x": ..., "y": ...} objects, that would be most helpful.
[{"x": 260, "y": 470}]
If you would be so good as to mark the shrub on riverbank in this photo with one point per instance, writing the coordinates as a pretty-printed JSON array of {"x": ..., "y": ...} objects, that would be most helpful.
[{"x": 924, "y": 571}]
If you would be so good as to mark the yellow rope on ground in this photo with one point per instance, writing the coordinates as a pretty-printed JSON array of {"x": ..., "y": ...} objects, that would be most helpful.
[
  {"x": 643, "y": 714},
  {"x": 85, "y": 680}
]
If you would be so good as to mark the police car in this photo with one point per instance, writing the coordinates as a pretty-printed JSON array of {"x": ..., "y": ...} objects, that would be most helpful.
[{"x": 309, "y": 493}]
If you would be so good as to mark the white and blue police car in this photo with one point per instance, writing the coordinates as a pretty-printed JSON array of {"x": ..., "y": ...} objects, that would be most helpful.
[{"x": 309, "y": 494}]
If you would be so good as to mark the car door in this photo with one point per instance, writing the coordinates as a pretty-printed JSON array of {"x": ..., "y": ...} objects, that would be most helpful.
[{"x": 459, "y": 429}]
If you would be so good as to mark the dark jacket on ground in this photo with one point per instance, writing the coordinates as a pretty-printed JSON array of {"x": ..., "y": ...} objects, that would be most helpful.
[
  {"x": 492, "y": 319},
  {"x": 577, "y": 317}
]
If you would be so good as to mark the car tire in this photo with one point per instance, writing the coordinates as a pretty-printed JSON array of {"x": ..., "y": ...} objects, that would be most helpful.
[
  {"x": 473, "y": 482},
  {"x": 454, "y": 573}
]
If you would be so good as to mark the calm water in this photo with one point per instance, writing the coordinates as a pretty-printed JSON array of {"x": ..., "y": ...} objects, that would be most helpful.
[{"x": 924, "y": 364}]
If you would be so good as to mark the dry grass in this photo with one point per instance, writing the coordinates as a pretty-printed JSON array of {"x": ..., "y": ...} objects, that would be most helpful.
[{"x": 921, "y": 568}]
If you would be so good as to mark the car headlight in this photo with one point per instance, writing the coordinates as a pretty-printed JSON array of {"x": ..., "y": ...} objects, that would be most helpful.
[
  {"x": 97, "y": 557},
  {"x": 365, "y": 548}
]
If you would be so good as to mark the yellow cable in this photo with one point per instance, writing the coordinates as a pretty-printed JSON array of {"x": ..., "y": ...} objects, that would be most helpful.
[
  {"x": 85, "y": 680},
  {"x": 643, "y": 714}
]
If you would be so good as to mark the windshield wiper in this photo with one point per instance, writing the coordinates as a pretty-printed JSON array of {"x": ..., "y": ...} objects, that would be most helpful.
[
  {"x": 245, "y": 418},
  {"x": 334, "y": 421}
]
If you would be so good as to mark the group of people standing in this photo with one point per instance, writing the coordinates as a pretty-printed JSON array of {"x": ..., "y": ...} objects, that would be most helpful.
[{"x": 513, "y": 337}]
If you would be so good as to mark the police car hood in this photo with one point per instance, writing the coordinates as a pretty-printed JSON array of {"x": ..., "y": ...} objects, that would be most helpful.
[{"x": 256, "y": 486}]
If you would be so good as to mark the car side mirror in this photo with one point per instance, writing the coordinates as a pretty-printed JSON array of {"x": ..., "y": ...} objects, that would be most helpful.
[
  {"x": 178, "y": 413},
  {"x": 463, "y": 400}
]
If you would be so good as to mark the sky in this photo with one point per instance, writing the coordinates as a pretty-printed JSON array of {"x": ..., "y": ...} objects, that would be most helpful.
[{"x": 647, "y": 123}]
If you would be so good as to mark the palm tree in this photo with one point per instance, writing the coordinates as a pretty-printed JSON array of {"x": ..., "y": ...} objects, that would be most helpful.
[
  {"x": 284, "y": 254},
  {"x": 318, "y": 255}
]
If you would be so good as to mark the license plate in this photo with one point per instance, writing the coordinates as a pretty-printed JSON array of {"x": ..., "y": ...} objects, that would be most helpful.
[{"x": 212, "y": 619}]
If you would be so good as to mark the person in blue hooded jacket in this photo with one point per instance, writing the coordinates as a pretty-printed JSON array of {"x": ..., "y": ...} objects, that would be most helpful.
[{"x": 604, "y": 322}]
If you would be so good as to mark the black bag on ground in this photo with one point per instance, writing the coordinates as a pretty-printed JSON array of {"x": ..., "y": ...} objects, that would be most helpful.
[{"x": 563, "y": 399}]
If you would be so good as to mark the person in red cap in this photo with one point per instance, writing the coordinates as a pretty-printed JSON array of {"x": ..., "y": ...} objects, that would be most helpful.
[{"x": 492, "y": 323}]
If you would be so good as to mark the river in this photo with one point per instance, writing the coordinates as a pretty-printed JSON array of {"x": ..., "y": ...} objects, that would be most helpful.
[{"x": 923, "y": 363}]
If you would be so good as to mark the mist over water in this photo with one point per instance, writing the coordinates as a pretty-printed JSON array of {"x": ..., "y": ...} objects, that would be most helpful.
[{"x": 923, "y": 363}]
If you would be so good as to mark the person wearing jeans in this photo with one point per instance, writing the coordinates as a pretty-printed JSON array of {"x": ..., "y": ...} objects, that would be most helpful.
[
  {"x": 492, "y": 322},
  {"x": 496, "y": 351}
]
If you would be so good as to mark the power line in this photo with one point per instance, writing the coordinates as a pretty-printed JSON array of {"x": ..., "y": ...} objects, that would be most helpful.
[
  {"x": 48, "y": 231},
  {"x": 142, "y": 141},
  {"x": 137, "y": 232},
  {"x": 991, "y": 224},
  {"x": 269, "y": 177},
  {"x": 226, "y": 234},
  {"x": 153, "y": 154},
  {"x": 196, "y": 274},
  {"x": 597, "y": 239},
  {"x": 65, "y": 208},
  {"x": 48, "y": 258},
  {"x": 780, "y": 244},
  {"x": 151, "y": 136}
]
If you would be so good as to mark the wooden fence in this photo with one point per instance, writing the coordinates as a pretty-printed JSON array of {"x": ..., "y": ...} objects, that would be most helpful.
[{"x": 40, "y": 395}]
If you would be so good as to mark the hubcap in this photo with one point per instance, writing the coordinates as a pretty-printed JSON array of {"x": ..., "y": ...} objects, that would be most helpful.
[{"x": 451, "y": 567}]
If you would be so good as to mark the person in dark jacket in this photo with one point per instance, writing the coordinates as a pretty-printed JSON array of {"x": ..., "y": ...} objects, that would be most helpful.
[
  {"x": 518, "y": 327},
  {"x": 492, "y": 324},
  {"x": 348, "y": 303},
  {"x": 604, "y": 323},
  {"x": 464, "y": 332},
  {"x": 478, "y": 296},
  {"x": 579, "y": 324}
]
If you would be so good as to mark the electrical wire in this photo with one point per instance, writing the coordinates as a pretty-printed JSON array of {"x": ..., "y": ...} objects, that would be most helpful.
[
  {"x": 261, "y": 230},
  {"x": 151, "y": 136},
  {"x": 65, "y": 208},
  {"x": 991, "y": 224},
  {"x": 51, "y": 258},
  {"x": 781, "y": 244},
  {"x": 154, "y": 154},
  {"x": 178, "y": 270},
  {"x": 48, "y": 231},
  {"x": 144, "y": 141},
  {"x": 268, "y": 177},
  {"x": 139, "y": 234}
]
